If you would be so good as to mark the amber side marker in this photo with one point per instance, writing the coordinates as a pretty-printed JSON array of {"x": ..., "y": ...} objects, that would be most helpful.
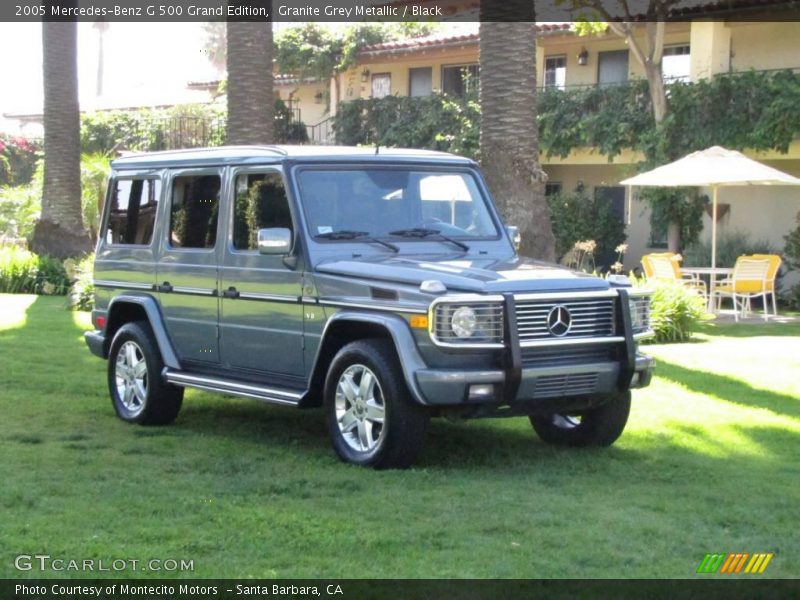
[{"x": 419, "y": 321}]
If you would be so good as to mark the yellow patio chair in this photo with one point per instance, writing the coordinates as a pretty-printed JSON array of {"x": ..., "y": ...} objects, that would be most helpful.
[
  {"x": 749, "y": 280},
  {"x": 772, "y": 274},
  {"x": 665, "y": 266}
]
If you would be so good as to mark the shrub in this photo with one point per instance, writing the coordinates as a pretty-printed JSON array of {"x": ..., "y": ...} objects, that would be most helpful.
[
  {"x": 81, "y": 294},
  {"x": 435, "y": 122},
  {"x": 20, "y": 207},
  {"x": 578, "y": 216},
  {"x": 18, "y": 158},
  {"x": 730, "y": 246},
  {"x": 675, "y": 310},
  {"x": 23, "y": 272},
  {"x": 95, "y": 169},
  {"x": 792, "y": 253}
]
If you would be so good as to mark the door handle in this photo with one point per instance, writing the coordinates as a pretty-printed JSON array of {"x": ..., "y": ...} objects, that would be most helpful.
[
  {"x": 165, "y": 287},
  {"x": 231, "y": 292}
]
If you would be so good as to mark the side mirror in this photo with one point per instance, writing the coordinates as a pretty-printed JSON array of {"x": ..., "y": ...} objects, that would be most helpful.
[
  {"x": 274, "y": 241},
  {"x": 513, "y": 234}
]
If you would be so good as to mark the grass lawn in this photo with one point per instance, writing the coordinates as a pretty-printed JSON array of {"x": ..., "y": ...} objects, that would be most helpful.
[{"x": 710, "y": 462}]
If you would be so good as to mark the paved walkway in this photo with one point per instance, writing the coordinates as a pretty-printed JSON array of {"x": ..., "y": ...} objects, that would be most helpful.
[{"x": 726, "y": 316}]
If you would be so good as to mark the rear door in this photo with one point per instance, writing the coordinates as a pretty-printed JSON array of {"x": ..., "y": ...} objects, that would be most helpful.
[
  {"x": 261, "y": 318},
  {"x": 187, "y": 272}
]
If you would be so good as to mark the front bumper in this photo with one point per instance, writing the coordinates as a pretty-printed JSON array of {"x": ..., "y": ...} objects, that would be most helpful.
[
  {"x": 452, "y": 387},
  {"x": 518, "y": 382}
]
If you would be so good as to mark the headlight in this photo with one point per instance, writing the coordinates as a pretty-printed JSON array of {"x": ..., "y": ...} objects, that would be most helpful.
[
  {"x": 463, "y": 322},
  {"x": 640, "y": 313},
  {"x": 476, "y": 322}
]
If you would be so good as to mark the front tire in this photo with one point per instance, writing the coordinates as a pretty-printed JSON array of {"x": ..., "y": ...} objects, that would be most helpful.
[
  {"x": 138, "y": 392},
  {"x": 372, "y": 421},
  {"x": 599, "y": 426}
]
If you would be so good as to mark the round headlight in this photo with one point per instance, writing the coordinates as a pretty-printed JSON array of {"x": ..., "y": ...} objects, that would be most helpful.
[{"x": 463, "y": 322}]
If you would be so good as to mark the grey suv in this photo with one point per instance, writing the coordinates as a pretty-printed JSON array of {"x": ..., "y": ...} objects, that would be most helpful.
[{"x": 380, "y": 284}]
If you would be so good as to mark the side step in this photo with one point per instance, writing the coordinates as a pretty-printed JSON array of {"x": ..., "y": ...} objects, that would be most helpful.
[{"x": 234, "y": 388}]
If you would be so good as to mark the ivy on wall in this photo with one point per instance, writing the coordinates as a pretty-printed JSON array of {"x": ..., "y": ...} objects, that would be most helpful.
[{"x": 749, "y": 110}]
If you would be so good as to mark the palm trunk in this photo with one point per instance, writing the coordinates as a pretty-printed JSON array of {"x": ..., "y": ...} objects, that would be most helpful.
[
  {"x": 251, "y": 102},
  {"x": 509, "y": 144},
  {"x": 60, "y": 231}
]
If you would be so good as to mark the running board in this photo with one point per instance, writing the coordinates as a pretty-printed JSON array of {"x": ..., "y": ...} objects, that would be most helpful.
[{"x": 234, "y": 388}]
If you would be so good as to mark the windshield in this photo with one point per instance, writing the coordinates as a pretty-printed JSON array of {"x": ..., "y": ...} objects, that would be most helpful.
[{"x": 396, "y": 203}]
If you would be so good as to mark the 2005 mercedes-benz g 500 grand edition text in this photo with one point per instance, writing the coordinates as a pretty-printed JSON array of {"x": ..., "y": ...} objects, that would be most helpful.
[{"x": 381, "y": 285}]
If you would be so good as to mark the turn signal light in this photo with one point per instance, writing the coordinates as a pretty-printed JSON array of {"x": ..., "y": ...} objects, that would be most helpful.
[{"x": 419, "y": 321}]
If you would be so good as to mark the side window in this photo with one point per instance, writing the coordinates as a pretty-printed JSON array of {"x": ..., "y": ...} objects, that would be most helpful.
[
  {"x": 132, "y": 211},
  {"x": 194, "y": 211},
  {"x": 260, "y": 203}
]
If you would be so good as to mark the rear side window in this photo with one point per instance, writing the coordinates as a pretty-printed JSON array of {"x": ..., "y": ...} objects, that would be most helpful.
[
  {"x": 260, "y": 203},
  {"x": 132, "y": 211},
  {"x": 194, "y": 211}
]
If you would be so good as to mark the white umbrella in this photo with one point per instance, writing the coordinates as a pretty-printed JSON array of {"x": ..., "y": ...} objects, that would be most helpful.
[{"x": 713, "y": 167}]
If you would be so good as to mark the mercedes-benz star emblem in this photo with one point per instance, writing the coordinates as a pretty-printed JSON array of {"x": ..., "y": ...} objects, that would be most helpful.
[{"x": 559, "y": 320}]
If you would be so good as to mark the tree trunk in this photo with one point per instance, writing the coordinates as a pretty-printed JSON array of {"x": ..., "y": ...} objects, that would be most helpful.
[
  {"x": 60, "y": 231},
  {"x": 674, "y": 237},
  {"x": 658, "y": 95},
  {"x": 251, "y": 102},
  {"x": 509, "y": 144}
]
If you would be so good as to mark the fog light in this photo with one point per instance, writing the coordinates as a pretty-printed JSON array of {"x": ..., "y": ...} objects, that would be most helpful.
[{"x": 481, "y": 391}]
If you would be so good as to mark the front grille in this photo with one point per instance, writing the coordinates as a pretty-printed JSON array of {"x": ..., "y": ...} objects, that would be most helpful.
[
  {"x": 576, "y": 384},
  {"x": 566, "y": 355},
  {"x": 591, "y": 317}
]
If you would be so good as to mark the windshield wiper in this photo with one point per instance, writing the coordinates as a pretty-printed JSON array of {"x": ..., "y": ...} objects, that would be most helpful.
[
  {"x": 347, "y": 234},
  {"x": 421, "y": 233}
]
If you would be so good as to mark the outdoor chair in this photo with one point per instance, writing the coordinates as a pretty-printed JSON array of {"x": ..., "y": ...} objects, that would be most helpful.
[
  {"x": 772, "y": 274},
  {"x": 749, "y": 280},
  {"x": 665, "y": 266}
]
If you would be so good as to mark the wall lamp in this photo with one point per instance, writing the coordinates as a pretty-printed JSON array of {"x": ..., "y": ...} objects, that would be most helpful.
[
  {"x": 365, "y": 75},
  {"x": 583, "y": 57}
]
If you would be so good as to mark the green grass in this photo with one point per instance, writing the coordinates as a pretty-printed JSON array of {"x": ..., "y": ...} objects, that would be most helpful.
[{"x": 710, "y": 462}]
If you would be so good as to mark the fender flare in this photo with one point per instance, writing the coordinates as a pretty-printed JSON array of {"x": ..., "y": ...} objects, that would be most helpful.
[
  {"x": 156, "y": 320},
  {"x": 400, "y": 333}
]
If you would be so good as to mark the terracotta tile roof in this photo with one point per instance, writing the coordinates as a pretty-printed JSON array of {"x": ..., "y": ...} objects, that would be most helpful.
[{"x": 467, "y": 34}]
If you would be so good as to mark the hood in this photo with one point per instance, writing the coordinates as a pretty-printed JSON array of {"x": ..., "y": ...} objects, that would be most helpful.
[{"x": 467, "y": 274}]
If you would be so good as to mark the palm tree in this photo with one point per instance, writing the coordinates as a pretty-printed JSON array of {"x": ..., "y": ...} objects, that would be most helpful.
[
  {"x": 509, "y": 132},
  {"x": 251, "y": 103},
  {"x": 60, "y": 231}
]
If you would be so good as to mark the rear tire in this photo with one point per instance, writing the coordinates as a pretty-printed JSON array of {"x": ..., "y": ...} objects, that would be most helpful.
[
  {"x": 599, "y": 426},
  {"x": 371, "y": 418},
  {"x": 138, "y": 392}
]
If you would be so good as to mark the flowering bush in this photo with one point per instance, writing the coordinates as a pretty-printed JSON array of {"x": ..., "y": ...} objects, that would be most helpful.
[
  {"x": 675, "y": 310},
  {"x": 18, "y": 158}
]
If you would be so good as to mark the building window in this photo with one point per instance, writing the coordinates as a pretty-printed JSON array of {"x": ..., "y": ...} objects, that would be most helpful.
[
  {"x": 132, "y": 211},
  {"x": 420, "y": 82},
  {"x": 552, "y": 188},
  {"x": 460, "y": 80},
  {"x": 555, "y": 72},
  {"x": 612, "y": 67},
  {"x": 261, "y": 203},
  {"x": 676, "y": 63},
  {"x": 194, "y": 211},
  {"x": 381, "y": 85}
]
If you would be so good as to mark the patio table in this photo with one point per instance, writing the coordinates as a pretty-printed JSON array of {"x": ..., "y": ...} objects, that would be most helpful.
[{"x": 712, "y": 273}]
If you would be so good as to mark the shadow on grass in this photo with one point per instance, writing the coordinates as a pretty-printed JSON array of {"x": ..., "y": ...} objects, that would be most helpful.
[{"x": 729, "y": 389}]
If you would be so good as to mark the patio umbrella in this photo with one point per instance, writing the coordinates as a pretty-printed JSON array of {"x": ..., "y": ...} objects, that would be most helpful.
[{"x": 714, "y": 167}]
